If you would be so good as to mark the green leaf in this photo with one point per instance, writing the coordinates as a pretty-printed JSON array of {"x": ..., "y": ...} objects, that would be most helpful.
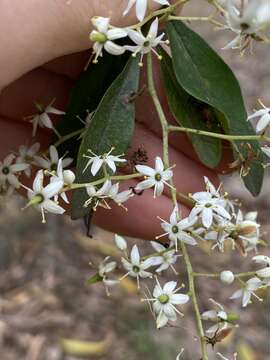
[
  {"x": 190, "y": 113},
  {"x": 94, "y": 279},
  {"x": 86, "y": 95},
  {"x": 205, "y": 76},
  {"x": 111, "y": 126}
]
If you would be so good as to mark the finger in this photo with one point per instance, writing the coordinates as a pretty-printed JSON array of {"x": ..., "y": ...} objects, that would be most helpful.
[
  {"x": 141, "y": 218},
  {"x": 10, "y": 140},
  {"x": 17, "y": 100},
  {"x": 70, "y": 66}
]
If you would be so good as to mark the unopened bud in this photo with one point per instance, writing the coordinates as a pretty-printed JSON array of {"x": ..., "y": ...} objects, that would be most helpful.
[
  {"x": 232, "y": 317},
  {"x": 120, "y": 242},
  {"x": 69, "y": 177},
  {"x": 227, "y": 277},
  {"x": 99, "y": 37}
]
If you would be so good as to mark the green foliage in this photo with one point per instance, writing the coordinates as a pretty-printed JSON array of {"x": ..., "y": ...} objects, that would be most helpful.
[
  {"x": 204, "y": 75},
  {"x": 111, "y": 126},
  {"x": 191, "y": 113},
  {"x": 94, "y": 279}
]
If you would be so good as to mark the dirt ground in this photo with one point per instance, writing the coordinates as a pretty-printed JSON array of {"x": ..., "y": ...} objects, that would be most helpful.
[{"x": 44, "y": 300}]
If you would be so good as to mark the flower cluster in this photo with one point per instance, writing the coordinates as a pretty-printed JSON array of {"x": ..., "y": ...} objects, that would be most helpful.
[
  {"x": 246, "y": 20},
  {"x": 105, "y": 35}
]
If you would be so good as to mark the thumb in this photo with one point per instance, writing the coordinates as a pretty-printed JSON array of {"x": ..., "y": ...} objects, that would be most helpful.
[{"x": 34, "y": 32}]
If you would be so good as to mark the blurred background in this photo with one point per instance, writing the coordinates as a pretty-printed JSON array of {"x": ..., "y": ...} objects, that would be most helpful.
[{"x": 47, "y": 312}]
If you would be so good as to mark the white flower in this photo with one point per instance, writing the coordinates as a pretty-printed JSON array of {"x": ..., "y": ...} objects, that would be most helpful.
[
  {"x": 141, "y": 7},
  {"x": 104, "y": 269},
  {"x": 42, "y": 118},
  {"x": 41, "y": 196},
  {"x": 208, "y": 207},
  {"x": 52, "y": 162},
  {"x": 246, "y": 21},
  {"x": 103, "y": 37},
  {"x": 120, "y": 242},
  {"x": 248, "y": 290},
  {"x": 264, "y": 260},
  {"x": 119, "y": 197},
  {"x": 27, "y": 155},
  {"x": 218, "y": 316},
  {"x": 178, "y": 229},
  {"x": 165, "y": 300},
  {"x": 220, "y": 235},
  {"x": 136, "y": 267},
  {"x": 66, "y": 176},
  {"x": 8, "y": 171},
  {"x": 155, "y": 177},
  {"x": 98, "y": 160},
  {"x": 107, "y": 191},
  {"x": 227, "y": 277},
  {"x": 246, "y": 230},
  {"x": 145, "y": 44},
  {"x": 224, "y": 358},
  {"x": 166, "y": 259},
  {"x": 264, "y": 118},
  {"x": 97, "y": 196}
]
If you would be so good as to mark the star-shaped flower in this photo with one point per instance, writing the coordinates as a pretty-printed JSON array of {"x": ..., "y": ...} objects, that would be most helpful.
[
  {"x": 141, "y": 7},
  {"x": 248, "y": 290},
  {"x": 41, "y": 197},
  {"x": 96, "y": 161},
  {"x": 42, "y": 118},
  {"x": 156, "y": 178},
  {"x": 103, "y": 37},
  {"x": 145, "y": 44},
  {"x": 51, "y": 163},
  {"x": 264, "y": 118},
  {"x": 8, "y": 172},
  {"x": 136, "y": 267},
  {"x": 165, "y": 299},
  {"x": 178, "y": 229}
]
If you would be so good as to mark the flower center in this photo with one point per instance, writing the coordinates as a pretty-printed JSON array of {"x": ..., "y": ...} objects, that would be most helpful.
[
  {"x": 244, "y": 26},
  {"x": 28, "y": 158},
  {"x": 98, "y": 37},
  {"x": 208, "y": 205},
  {"x": 40, "y": 108},
  {"x": 37, "y": 199},
  {"x": 146, "y": 43},
  {"x": 5, "y": 170},
  {"x": 158, "y": 177},
  {"x": 136, "y": 268},
  {"x": 163, "y": 299},
  {"x": 175, "y": 229},
  {"x": 54, "y": 167}
]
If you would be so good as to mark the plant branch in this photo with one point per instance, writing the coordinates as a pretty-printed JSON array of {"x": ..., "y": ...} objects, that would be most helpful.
[
  {"x": 216, "y": 275},
  {"x": 220, "y": 136},
  {"x": 165, "y": 132}
]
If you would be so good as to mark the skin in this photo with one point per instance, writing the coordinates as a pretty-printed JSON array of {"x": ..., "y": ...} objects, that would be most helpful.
[{"x": 37, "y": 38}]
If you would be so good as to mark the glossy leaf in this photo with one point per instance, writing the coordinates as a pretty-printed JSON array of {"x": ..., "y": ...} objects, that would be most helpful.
[
  {"x": 86, "y": 94},
  {"x": 205, "y": 76},
  {"x": 191, "y": 113},
  {"x": 111, "y": 126}
]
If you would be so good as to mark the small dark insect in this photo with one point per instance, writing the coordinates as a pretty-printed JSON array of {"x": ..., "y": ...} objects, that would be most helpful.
[{"x": 218, "y": 336}]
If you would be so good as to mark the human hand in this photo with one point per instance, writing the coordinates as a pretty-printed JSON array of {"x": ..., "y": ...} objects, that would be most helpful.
[{"x": 42, "y": 31}]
